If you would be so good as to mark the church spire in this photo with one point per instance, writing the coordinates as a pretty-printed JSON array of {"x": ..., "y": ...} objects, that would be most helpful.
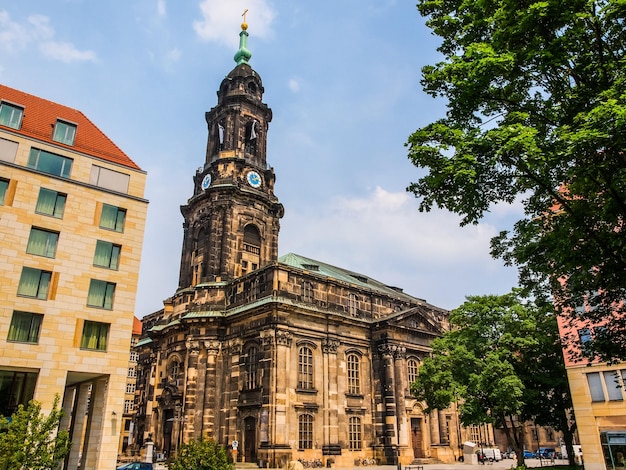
[{"x": 243, "y": 54}]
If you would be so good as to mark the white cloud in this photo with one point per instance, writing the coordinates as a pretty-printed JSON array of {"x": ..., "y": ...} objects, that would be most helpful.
[
  {"x": 66, "y": 52},
  {"x": 161, "y": 8},
  {"x": 294, "y": 85},
  {"x": 220, "y": 18},
  {"x": 15, "y": 37}
]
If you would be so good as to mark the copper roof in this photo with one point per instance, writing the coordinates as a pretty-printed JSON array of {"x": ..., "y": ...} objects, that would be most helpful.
[{"x": 40, "y": 117}]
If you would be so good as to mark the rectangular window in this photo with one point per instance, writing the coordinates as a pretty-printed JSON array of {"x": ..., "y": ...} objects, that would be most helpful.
[
  {"x": 305, "y": 431},
  {"x": 4, "y": 186},
  {"x": 25, "y": 327},
  {"x": 132, "y": 372},
  {"x": 354, "y": 433},
  {"x": 51, "y": 203},
  {"x": 42, "y": 242},
  {"x": 34, "y": 283},
  {"x": 109, "y": 179},
  {"x": 130, "y": 388},
  {"x": 18, "y": 388},
  {"x": 11, "y": 115},
  {"x": 112, "y": 218},
  {"x": 595, "y": 386},
  {"x": 613, "y": 385},
  {"x": 94, "y": 336},
  {"x": 50, "y": 163},
  {"x": 354, "y": 374},
  {"x": 107, "y": 255},
  {"x": 134, "y": 356},
  {"x": 101, "y": 294},
  {"x": 128, "y": 406},
  {"x": 64, "y": 132}
]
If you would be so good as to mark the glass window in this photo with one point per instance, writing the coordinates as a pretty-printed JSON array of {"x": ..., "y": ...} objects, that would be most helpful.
[
  {"x": 112, "y": 218},
  {"x": 354, "y": 431},
  {"x": 251, "y": 368},
  {"x": 413, "y": 367},
  {"x": 305, "y": 432},
  {"x": 51, "y": 203},
  {"x": 132, "y": 372},
  {"x": 49, "y": 163},
  {"x": 107, "y": 255},
  {"x": 305, "y": 368},
  {"x": 101, "y": 294},
  {"x": 94, "y": 336},
  {"x": 354, "y": 379},
  {"x": 25, "y": 327},
  {"x": 352, "y": 304},
  {"x": 109, "y": 179},
  {"x": 128, "y": 406},
  {"x": 34, "y": 283},
  {"x": 42, "y": 242},
  {"x": 16, "y": 388},
  {"x": 4, "y": 185},
  {"x": 613, "y": 385},
  {"x": 595, "y": 386},
  {"x": 64, "y": 132},
  {"x": 11, "y": 115},
  {"x": 130, "y": 388}
]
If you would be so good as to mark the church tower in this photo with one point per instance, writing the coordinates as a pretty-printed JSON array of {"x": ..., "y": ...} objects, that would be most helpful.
[{"x": 231, "y": 222}]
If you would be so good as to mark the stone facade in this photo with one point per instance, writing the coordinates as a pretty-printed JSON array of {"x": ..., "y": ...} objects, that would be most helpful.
[{"x": 287, "y": 357}]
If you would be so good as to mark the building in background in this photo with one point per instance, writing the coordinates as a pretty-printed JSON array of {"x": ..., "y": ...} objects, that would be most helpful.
[
  {"x": 72, "y": 217},
  {"x": 279, "y": 358},
  {"x": 129, "y": 397}
]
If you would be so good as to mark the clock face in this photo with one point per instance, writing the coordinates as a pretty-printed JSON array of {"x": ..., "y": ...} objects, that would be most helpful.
[
  {"x": 254, "y": 179},
  {"x": 206, "y": 182}
]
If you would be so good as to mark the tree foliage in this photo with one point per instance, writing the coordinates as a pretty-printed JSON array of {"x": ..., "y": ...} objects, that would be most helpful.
[
  {"x": 536, "y": 93},
  {"x": 30, "y": 440},
  {"x": 201, "y": 455},
  {"x": 502, "y": 363}
]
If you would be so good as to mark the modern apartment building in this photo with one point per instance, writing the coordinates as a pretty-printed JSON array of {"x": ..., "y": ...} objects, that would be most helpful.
[{"x": 72, "y": 217}]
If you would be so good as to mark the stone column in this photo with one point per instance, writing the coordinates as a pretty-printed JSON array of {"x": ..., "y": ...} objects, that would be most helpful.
[
  {"x": 390, "y": 425},
  {"x": 434, "y": 427},
  {"x": 213, "y": 382},
  {"x": 401, "y": 381},
  {"x": 330, "y": 393},
  {"x": 190, "y": 391},
  {"x": 79, "y": 422},
  {"x": 281, "y": 405}
]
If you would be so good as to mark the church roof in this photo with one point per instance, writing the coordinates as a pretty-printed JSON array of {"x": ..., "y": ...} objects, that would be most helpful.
[
  {"x": 41, "y": 115},
  {"x": 324, "y": 269}
]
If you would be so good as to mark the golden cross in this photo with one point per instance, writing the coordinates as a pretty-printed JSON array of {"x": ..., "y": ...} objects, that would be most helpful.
[{"x": 244, "y": 15}]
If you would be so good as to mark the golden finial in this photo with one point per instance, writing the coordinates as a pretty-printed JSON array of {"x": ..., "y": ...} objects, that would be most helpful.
[{"x": 244, "y": 25}]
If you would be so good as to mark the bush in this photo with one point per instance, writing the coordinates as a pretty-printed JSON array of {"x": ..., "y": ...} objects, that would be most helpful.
[{"x": 201, "y": 455}]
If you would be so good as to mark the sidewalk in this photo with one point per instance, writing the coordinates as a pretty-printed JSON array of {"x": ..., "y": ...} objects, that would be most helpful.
[{"x": 504, "y": 464}]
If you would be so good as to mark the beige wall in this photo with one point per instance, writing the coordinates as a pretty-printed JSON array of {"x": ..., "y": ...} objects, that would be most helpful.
[{"x": 58, "y": 349}]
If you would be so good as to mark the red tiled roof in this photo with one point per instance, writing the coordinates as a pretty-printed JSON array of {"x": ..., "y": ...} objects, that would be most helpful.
[
  {"x": 137, "y": 325},
  {"x": 40, "y": 117}
]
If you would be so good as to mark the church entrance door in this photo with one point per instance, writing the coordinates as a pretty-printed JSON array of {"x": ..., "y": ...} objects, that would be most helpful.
[
  {"x": 416, "y": 438},
  {"x": 249, "y": 440}
]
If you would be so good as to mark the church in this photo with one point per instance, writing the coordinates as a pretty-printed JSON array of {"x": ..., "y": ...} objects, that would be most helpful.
[{"x": 279, "y": 358}]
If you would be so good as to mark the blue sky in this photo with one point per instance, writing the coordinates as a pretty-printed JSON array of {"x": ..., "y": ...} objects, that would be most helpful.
[{"x": 342, "y": 79}]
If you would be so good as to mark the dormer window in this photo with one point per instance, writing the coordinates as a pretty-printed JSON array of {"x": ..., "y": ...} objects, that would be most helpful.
[
  {"x": 11, "y": 115},
  {"x": 64, "y": 132}
]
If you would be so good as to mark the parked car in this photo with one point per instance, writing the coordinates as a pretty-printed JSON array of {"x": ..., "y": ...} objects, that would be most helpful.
[
  {"x": 137, "y": 466},
  {"x": 528, "y": 454},
  {"x": 546, "y": 453}
]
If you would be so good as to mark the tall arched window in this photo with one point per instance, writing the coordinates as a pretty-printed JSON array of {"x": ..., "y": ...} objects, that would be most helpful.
[
  {"x": 305, "y": 431},
  {"x": 305, "y": 368},
  {"x": 251, "y": 368},
  {"x": 354, "y": 433},
  {"x": 413, "y": 367},
  {"x": 354, "y": 373}
]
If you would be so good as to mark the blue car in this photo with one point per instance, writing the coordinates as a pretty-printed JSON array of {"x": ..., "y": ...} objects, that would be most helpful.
[
  {"x": 137, "y": 466},
  {"x": 528, "y": 454}
]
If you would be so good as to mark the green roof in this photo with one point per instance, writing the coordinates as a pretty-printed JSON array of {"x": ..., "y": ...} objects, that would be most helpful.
[{"x": 327, "y": 270}]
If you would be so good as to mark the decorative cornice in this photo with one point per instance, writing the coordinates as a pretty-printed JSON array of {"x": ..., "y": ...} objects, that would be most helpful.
[
  {"x": 212, "y": 346},
  {"x": 330, "y": 345},
  {"x": 283, "y": 338}
]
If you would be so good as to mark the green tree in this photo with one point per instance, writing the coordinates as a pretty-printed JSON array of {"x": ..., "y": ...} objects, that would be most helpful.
[
  {"x": 201, "y": 455},
  {"x": 502, "y": 363},
  {"x": 536, "y": 96},
  {"x": 30, "y": 440}
]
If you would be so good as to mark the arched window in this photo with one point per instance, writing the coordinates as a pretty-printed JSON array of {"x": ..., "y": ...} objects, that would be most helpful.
[
  {"x": 354, "y": 373},
  {"x": 251, "y": 365},
  {"x": 305, "y": 368},
  {"x": 251, "y": 249},
  {"x": 412, "y": 370},
  {"x": 305, "y": 431},
  {"x": 354, "y": 432},
  {"x": 173, "y": 369}
]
